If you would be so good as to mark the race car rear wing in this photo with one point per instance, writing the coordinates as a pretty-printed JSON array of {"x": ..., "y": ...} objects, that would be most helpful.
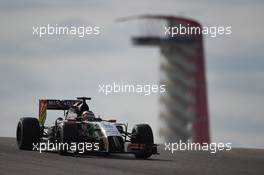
[{"x": 53, "y": 104}]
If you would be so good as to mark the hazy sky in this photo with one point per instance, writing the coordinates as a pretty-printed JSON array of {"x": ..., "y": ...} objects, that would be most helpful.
[{"x": 66, "y": 67}]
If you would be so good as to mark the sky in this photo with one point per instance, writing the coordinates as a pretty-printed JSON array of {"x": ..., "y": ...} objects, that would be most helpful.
[{"x": 64, "y": 67}]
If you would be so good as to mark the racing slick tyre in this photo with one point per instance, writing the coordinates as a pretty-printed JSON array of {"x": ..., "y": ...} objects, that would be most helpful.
[
  {"x": 142, "y": 134},
  {"x": 66, "y": 135},
  {"x": 27, "y": 133}
]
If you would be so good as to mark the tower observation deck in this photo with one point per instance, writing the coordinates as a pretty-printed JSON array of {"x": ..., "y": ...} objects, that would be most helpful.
[{"x": 183, "y": 113}]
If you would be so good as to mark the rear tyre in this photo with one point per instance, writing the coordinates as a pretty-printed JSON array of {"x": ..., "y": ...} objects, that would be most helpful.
[
  {"x": 142, "y": 134},
  {"x": 27, "y": 133},
  {"x": 63, "y": 150},
  {"x": 66, "y": 135}
]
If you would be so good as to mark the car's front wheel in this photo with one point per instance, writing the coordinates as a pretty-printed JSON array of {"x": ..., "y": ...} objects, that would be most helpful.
[{"x": 142, "y": 134}]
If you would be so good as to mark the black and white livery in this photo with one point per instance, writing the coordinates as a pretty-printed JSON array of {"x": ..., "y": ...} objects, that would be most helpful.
[{"x": 79, "y": 124}]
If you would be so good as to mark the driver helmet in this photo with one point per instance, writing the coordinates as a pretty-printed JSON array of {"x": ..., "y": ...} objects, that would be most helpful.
[{"x": 88, "y": 115}]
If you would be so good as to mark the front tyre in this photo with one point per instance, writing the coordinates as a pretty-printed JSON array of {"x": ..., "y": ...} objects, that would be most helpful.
[
  {"x": 142, "y": 134},
  {"x": 27, "y": 133}
]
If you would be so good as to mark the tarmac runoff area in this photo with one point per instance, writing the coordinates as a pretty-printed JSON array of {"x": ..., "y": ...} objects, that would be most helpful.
[{"x": 235, "y": 162}]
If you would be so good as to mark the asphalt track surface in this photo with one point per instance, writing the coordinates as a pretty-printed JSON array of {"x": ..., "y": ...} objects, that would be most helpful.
[{"x": 234, "y": 162}]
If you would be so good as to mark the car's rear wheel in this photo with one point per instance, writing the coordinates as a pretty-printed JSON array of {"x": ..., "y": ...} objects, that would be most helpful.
[
  {"x": 63, "y": 150},
  {"x": 28, "y": 133},
  {"x": 142, "y": 134},
  {"x": 66, "y": 135}
]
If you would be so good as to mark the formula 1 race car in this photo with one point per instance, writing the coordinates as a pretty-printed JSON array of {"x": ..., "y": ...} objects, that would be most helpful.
[{"x": 78, "y": 126}]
